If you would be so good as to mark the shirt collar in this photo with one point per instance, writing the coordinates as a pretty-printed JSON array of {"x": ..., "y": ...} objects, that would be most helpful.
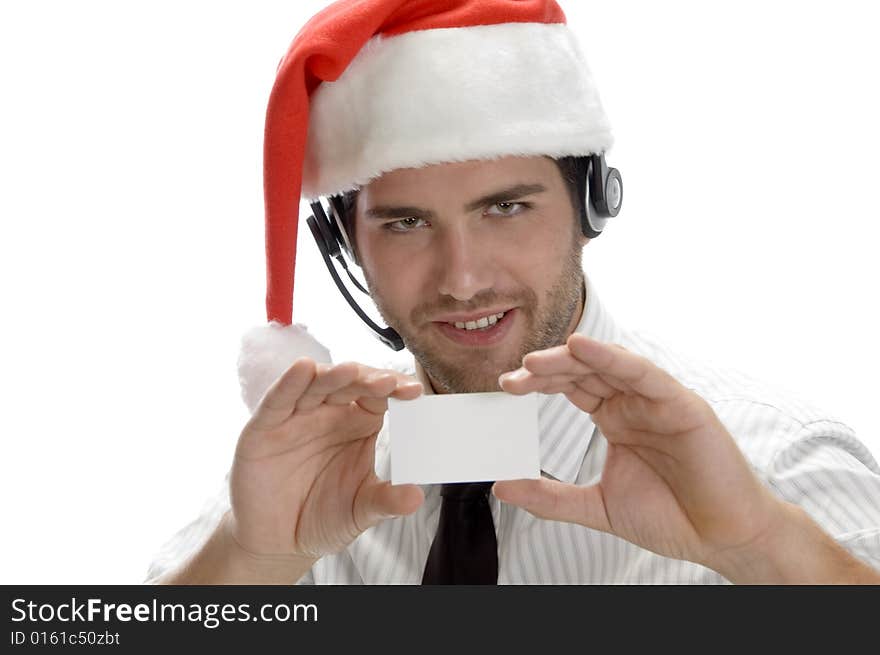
[{"x": 564, "y": 430}]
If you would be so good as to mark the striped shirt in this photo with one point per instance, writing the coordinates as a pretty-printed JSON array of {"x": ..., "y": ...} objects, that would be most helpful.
[{"x": 798, "y": 451}]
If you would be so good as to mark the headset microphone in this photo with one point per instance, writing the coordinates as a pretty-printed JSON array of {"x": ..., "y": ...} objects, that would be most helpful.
[
  {"x": 603, "y": 198},
  {"x": 331, "y": 246}
]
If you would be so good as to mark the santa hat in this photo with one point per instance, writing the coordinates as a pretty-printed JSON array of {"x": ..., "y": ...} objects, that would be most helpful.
[{"x": 370, "y": 86}]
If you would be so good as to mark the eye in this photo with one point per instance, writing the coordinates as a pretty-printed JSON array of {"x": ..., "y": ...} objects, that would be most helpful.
[
  {"x": 507, "y": 208},
  {"x": 404, "y": 224}
]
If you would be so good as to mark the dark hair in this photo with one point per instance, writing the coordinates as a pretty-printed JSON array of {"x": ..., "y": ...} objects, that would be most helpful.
[{"x": 572, "y": 169}]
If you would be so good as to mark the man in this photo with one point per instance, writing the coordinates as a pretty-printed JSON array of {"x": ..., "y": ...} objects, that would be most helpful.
[{"x": 452, "y": 135}]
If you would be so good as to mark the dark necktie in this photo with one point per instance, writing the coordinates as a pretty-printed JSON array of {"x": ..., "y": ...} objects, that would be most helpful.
[{"x": 464, "y": 550}]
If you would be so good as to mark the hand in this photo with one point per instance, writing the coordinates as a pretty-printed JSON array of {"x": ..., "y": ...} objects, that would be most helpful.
[
  {"x": 674, "y": 480},
  {"x": 302, "y": 482}
]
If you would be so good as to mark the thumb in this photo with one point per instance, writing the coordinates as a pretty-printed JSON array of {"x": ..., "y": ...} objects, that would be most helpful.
[
  {"x": 382, "y": 500},
  {"x": 559, "y": 501}
]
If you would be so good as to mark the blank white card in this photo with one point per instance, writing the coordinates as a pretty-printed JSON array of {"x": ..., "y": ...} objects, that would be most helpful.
[{"x": 468, "y": 437}]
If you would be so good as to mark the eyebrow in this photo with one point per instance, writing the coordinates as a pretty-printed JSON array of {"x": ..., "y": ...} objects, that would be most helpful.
[
  {"x": 384, "y": 211},
  {"x": 504, "y": 195}
]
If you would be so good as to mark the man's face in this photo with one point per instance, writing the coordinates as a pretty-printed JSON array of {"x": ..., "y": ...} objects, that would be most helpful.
[{"x": 455, "y": 243}]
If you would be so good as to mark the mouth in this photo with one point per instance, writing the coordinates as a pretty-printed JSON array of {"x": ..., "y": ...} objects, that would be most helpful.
[{"x": 483, "y": 330}]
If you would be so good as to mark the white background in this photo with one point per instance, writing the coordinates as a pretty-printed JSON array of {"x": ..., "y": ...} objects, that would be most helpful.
[{"x": 131, "y": 247}]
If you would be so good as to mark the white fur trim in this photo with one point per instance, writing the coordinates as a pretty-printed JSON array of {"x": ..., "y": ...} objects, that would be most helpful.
[
  {"x": 453, "y": 94},
  {"x": 269, "y": 350}
]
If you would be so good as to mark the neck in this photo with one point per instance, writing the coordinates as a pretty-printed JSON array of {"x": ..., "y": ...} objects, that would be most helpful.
[{"x": 579, "y": 311}]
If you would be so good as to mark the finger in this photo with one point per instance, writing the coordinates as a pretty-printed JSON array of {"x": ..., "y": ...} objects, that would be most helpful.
[
  {"x": 524, "y": 382},
  {"x": 595, "y": 385},
  {"x": 371, "y": 382},
  {"x": 521, "y": 382},
  {"x": 555, "y": 361},
  {"x": 402, "y": 378},
  {"x": 560, "y": 361},
  {"x": 379, "y": 406},
  {"x": 554, "y": 384},
  {"x": 408, "y": 391},
  {"x": 280, "y": 400},
  {"x": 558, "y": 501},
  {"x": 328, "y": 379},
  {"x": 374, "y": 384},
  {"x": 584, "y": 400},
  {"x": 406, "y": 387},
  {"x": 562, "y": 387},
  {"x": 382, "y": 386},
  {"x": 614, "y": 362},
  {"x": 381, "y": 500}
]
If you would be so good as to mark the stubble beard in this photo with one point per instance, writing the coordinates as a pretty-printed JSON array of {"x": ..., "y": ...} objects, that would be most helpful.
[{"x": 472, "y": 370}]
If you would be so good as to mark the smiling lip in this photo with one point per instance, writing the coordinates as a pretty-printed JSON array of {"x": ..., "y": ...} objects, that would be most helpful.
[
  {"x": 476, "y": 338},
  {"x": 473, "y": 316}
]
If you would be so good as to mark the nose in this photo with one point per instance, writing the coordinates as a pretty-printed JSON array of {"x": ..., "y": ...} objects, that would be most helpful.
[{"x": 465, "y": 264}]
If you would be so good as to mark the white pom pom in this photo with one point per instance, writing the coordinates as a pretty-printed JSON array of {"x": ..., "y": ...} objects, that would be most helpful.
[{"x": 269, "y": 350}]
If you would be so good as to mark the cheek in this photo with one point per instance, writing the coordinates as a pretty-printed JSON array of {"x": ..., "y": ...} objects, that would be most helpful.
[
  {"x": 395, "y": 275},
  {"x": 537, "y": 264},
  {"x": 399, "y": 291}
]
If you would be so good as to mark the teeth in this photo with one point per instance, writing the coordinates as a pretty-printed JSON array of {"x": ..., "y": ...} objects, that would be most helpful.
[{"x": 483, "y": 322}]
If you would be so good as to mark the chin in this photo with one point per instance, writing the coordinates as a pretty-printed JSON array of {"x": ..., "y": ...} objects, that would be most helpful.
[{"x": 470, "y": 373}]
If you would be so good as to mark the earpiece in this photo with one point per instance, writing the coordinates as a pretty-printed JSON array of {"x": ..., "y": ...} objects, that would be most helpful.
[
  {"x": 337, "y": 228},
  {"x": 603, "y": 194}
]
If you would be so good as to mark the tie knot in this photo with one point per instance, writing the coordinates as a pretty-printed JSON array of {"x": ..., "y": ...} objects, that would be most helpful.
[{"x": 466, "y": 490}]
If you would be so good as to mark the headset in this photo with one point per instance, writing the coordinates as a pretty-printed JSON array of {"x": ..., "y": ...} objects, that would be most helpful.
[{"x": 602, "y": 199}]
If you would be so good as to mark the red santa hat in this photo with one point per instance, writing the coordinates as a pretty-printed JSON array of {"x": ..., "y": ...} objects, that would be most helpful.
[{"x": 370, "y": 86}]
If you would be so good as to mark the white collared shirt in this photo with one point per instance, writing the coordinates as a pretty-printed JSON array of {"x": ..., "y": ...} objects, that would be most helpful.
[{"x": 802, "y": 454}]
